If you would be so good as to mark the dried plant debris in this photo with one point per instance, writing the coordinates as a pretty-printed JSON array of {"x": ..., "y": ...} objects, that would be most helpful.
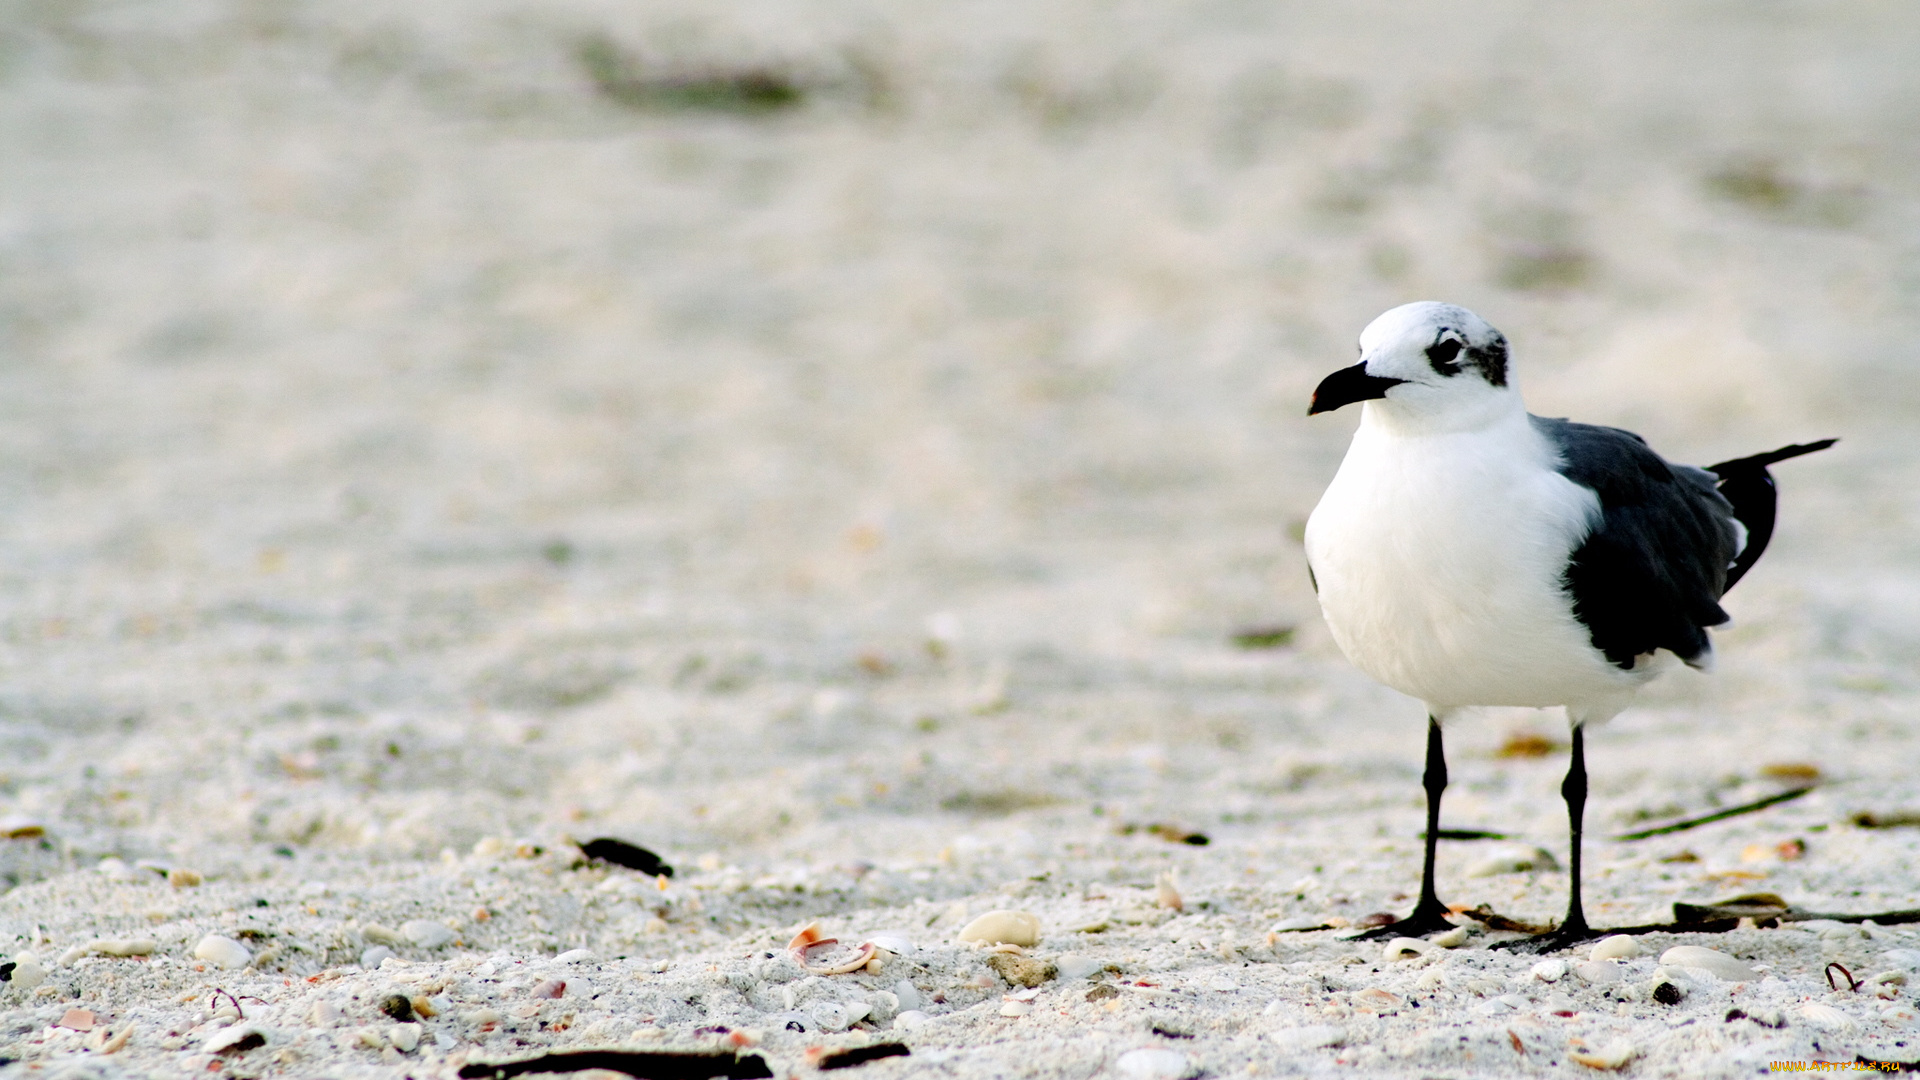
[
  {"x": 1527, "y": 744},
  {"x": 1798, "y": 772},
  {"x": 1468, "y": 834},
  {"x": 1544, "y": 267},
  {"x": 622, "y": 78},
  {"x": 1718, "y": 815},
  {"x": 1493, "y": 920},
  {"x": 1764, "y": 187},
  {"x": 620, "y": 853},
  {"x": 1893, "y": 820},
  {"x": 1749, "y": 906},
  {"x": 1170, "y": 833},
  {"x": 1264, "y": 637},
  {"x": 860, "y": 1055},
  {"x": 648, "y": 1065}
]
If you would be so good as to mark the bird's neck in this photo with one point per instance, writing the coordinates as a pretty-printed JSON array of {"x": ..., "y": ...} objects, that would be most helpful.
[{"x": 1495, "y": 409}]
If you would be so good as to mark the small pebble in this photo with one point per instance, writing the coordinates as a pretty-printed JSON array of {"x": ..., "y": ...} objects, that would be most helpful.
[
  {"x": 1022, "y": 970},
  {"x": 404, "y": 1037},
  {"x": 398, "y": 1006},
  {"x": 1617, "y": 947},
  {"x": 1078, "y": 965},
  {"x": 1152, "y": 1063},
  {"x": 27, "y": 971},
  {"x": 372, "y": 958},
  {"x": 77, "y": 1020},
  {"x": 911, "y": 1020},
  {"x": 908, "y": 994},
  {"x": 1711, "y": 961},
  {"x": 375, "y": 934},
  {"x": 426, "y": 933},
  {"x": 222, "y": 952},
  {"x": 1549, "y": 970},
  {"x": 1004, "y": 928},
  {"x": 1667, "y": 993}
]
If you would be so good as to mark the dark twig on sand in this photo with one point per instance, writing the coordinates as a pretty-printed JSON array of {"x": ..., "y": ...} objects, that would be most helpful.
[
  {"x": 648, "y": 1065},
  {"x": 1718, "y": 815}
]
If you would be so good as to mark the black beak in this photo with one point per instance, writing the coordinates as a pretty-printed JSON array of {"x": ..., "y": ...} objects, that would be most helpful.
[{"x": 1348, "y": 385}]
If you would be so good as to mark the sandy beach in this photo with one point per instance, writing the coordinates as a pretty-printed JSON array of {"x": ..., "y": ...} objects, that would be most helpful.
[{"x": 858, "y": 453}]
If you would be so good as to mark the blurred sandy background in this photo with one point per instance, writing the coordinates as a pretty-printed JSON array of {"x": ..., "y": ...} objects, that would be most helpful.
[{"x": 816, "y": 432}]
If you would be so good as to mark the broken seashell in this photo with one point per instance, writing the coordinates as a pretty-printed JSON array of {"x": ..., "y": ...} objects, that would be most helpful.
[
  {"x": 1405, "y": 948},
  {"x": 222, "y": 952},
  {"x": 1377, "y": 1000},
  {"x": 1711, "y": 961},
  {"x": 1598, "y": 972},
  {"x": 810, "y": 937},
  {"x": 1003, "y": 928},
  {"x": 1617, "y": 947},
  {"x": 109, "y": 947},
  {"x": 1608, "y": 1058},
  {"x": 1166, "y": 893},
  {"x": 1828, "y": 1017}
]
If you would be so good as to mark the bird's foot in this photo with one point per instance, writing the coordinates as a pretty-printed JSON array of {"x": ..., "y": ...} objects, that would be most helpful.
[
  {"x": 1425, "y": 919},
  {"x": 1566, "y": 937}
]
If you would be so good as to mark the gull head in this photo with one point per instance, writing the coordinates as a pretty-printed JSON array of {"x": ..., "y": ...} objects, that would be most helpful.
[{"x": 1425, "y": 360}]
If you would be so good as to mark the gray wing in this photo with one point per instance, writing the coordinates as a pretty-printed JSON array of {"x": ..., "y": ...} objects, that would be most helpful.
[{"x": 1651, "y": 573}]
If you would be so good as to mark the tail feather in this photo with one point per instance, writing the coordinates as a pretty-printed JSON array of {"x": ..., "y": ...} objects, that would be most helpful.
[
  {"x": 1771, "y": 457},
  {"x": 1749, "y": 487}
]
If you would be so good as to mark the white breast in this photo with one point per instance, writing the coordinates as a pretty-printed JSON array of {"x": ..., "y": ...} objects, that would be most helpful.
[{"x": 1440, "y": 562}]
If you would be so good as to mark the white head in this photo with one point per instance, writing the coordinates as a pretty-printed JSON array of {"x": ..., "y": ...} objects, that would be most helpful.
[{"x": 1429, "y": 365}]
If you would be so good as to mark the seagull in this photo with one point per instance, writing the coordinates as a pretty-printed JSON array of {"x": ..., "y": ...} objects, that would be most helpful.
[{"x": 1468, "y": 553}]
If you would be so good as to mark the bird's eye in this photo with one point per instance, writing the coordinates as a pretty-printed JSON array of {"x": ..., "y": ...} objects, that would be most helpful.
[{"x": 1441, "y": 354}]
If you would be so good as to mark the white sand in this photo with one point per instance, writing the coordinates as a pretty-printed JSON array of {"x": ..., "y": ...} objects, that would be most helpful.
[{"x": 404, "y": 445}]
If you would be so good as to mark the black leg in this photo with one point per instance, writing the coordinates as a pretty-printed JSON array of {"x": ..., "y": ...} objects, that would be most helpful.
[
  {"x": 1573, "y": 929},
  {"x": 1429, "y": 915}
]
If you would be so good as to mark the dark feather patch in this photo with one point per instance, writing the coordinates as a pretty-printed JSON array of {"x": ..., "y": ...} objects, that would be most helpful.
[
  {"x": 1491, "y": 359},
  {"x": 1651, "y": 573}
]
